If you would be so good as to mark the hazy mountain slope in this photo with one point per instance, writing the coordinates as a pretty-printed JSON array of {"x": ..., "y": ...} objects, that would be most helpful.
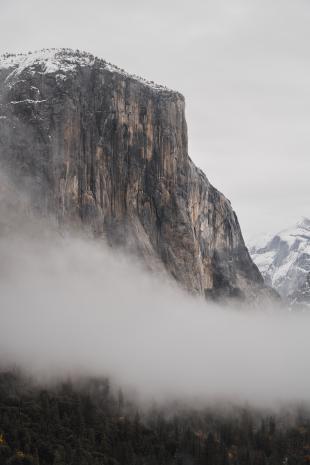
[
  {"x": 284, "y": 261},
  {"x": 102, "y": 148}
]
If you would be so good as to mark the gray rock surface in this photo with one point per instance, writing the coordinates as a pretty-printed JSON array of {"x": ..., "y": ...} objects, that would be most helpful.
[{"x": 98, "y": 147}]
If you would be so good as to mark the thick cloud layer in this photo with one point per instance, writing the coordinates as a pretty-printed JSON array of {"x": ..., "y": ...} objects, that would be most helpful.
[{"x": 71, "y": 306}]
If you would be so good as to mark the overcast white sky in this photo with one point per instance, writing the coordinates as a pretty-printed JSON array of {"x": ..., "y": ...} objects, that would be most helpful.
[{"x": 243, "y": 66}]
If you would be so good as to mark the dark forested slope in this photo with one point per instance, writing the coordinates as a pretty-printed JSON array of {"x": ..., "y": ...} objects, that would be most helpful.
[{"x": 85, "y": 423}]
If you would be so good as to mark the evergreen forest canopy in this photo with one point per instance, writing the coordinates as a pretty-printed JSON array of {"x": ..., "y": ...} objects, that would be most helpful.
[{"x": 89, "y": 423}]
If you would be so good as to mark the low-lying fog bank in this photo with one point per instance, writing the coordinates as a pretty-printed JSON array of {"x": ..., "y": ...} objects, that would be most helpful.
[{"x": 70, "y": 306}]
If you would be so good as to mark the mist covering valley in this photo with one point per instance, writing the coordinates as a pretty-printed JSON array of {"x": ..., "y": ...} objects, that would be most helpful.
[
  {"x": 138, "y": 326},
  {"x": 73, "y": 307}
]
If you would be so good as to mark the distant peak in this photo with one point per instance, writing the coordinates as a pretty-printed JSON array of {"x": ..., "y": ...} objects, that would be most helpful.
[{"x": 304, "y": 223}]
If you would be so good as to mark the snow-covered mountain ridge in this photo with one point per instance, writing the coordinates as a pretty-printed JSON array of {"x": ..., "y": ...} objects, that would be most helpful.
[
  {"x": 63, "y": 61},
  {"x": 284, "y": 261}
]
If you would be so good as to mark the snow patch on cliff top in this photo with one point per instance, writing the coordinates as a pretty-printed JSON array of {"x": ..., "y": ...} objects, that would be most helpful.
[{"x": 52, "y": 61}]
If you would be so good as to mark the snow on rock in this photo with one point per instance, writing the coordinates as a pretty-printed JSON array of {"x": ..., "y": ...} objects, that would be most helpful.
[
  {"x": 61, "y": 62},
  {"x": 27, "y": 100},
  {"x": 284, "y": 261}
]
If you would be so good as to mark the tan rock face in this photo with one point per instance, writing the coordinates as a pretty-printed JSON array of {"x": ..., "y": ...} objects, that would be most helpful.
[{"x": 98, "y": 146}]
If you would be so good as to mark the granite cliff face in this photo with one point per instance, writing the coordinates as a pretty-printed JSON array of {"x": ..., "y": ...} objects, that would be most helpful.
[{"x": 99, "y": 147}]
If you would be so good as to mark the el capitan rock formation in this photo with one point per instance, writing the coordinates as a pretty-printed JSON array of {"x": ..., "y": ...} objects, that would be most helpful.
[{"x": 99, "y": 147}]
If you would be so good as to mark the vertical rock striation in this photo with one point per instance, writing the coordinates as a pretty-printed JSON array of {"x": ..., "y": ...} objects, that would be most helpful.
[{"x": 99, "y": 147}]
